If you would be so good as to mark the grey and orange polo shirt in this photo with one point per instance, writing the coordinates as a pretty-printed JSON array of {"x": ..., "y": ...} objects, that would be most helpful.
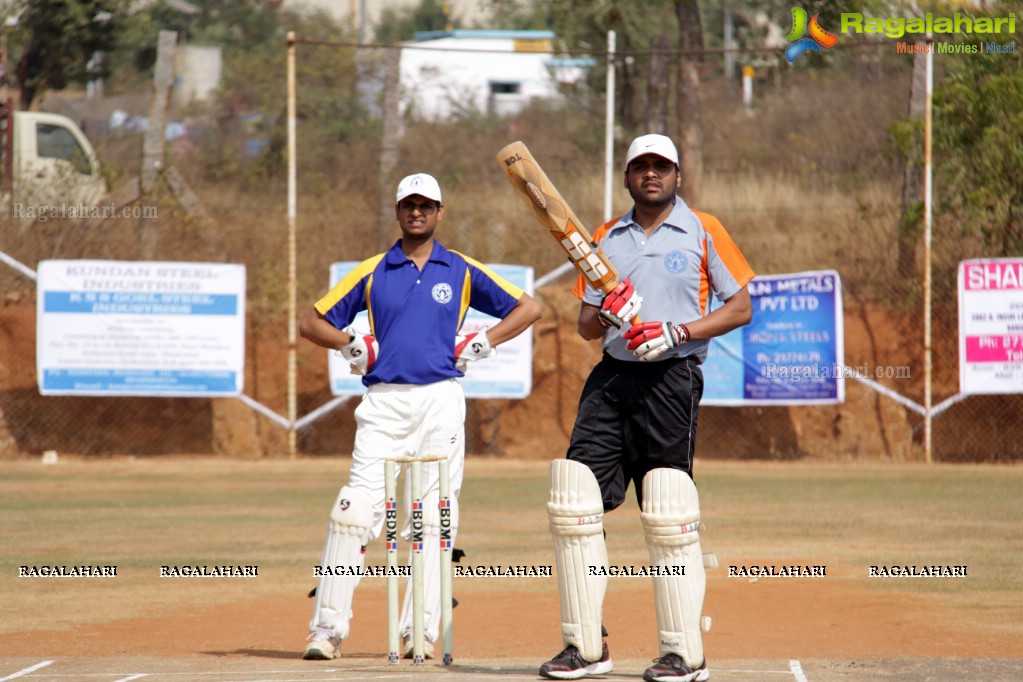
[{"x": 676, "y": 269}]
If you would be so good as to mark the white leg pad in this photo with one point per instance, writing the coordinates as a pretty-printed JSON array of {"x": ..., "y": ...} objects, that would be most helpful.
[
  {"x": 431, "y": 569},
  {"x": 576, "y": 515},
  {"x": 671, "y": 518},
  {"x": 348, "y": 530}
]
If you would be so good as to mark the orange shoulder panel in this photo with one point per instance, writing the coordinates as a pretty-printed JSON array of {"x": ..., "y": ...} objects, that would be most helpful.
[{"x": 726, "y": 248}]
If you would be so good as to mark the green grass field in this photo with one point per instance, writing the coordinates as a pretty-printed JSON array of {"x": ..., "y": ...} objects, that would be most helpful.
[{"x": 141, "y": 514}]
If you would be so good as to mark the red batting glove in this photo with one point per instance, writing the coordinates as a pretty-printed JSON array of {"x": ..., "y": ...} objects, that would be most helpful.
[
  {"x": 620, "y": 305},
  {"x": 649, "y": 340}
]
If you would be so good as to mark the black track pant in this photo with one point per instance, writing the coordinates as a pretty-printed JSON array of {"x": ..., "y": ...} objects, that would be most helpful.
[{"x": 634, "y": 417}]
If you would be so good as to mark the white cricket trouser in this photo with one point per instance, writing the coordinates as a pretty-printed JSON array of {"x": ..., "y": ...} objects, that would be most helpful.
[{"x": 404, "y": 420}]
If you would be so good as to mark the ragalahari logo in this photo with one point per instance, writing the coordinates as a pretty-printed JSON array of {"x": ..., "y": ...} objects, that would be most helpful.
[{"x": 818, "y": 36}]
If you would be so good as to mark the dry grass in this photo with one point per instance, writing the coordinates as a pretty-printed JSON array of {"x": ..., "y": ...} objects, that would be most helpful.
[
  {"x": 789, "y": 224},
  {"x": 792, "y": 189},
  {"x": 141, "y": 514}
]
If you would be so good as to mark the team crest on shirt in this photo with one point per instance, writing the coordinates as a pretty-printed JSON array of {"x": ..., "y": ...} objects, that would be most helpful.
[
  {"x": 442, "y": 293},
  {"x": 675, "y": 262}
]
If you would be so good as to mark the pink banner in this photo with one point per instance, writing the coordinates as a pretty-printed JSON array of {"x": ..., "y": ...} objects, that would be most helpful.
[
  {"x": 1002, "y": 348},
  {"x": 1002, "y": 274}
]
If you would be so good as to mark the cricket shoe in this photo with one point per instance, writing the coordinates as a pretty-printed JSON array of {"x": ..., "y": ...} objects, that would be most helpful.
[
  {"x": 569, "y": 665},
  {"x": 407, "y": 645},
  {"x": 324, "y": 645},
  {"x": 671, "y": 668}
]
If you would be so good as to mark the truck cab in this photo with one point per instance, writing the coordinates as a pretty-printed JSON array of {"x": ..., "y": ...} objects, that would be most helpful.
[{"x": 47, "y": 162}]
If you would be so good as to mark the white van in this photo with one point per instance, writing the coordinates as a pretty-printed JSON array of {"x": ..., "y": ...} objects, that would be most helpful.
[{"x": 47, "y": 165}]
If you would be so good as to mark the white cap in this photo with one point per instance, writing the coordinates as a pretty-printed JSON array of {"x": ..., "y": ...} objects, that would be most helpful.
[
  {"x": 652, "y": 144},
  {"x": 421, "y": 184}
]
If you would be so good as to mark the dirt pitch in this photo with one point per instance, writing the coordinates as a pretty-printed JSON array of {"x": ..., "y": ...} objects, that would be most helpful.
[{"x": 143, "y": 514}]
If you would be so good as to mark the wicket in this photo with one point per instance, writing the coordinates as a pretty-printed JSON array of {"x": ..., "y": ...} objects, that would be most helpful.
[{"x": 391, "y": 536}]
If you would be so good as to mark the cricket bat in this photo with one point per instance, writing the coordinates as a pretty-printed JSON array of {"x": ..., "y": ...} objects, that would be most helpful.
[{"x": 554, "y": 213}]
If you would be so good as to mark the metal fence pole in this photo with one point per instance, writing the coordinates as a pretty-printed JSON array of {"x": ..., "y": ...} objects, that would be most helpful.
[
  {"x": 292, "y": 188},
  {"x": 928, "y": 190}
]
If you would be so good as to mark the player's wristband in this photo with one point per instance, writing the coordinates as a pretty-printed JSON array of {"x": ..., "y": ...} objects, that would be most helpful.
[{"x": 685, "y": 331}]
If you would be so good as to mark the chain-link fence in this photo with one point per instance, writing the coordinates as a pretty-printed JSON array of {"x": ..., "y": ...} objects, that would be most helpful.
[{"x": 808, "y": 176}]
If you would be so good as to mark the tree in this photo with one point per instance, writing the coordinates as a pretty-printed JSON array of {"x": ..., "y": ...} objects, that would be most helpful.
[
  {"x": 912, "y": 184},
  {"x": 520, "y": 15},
  {"x": 60, "y": 39},
  {"x": 978, "y": 146},
  {"x": 237, "y": 26},
  {"x": 752, "y": 29},
  {"x": 690, "y": 116},
  {"x": 977, "y": 150},
  {"x": 647, "y": 41},
  {"x": 397, "y": 25},
  {"x": 581, "y": 27},
  {"x": 330, "y": 107}
]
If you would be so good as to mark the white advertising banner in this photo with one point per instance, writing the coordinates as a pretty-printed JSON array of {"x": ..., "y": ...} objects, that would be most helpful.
[
  {"x": 140, "y": 328},
  {"x": 991, "y": 325},
  {"x": 507, "y": 374}
]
